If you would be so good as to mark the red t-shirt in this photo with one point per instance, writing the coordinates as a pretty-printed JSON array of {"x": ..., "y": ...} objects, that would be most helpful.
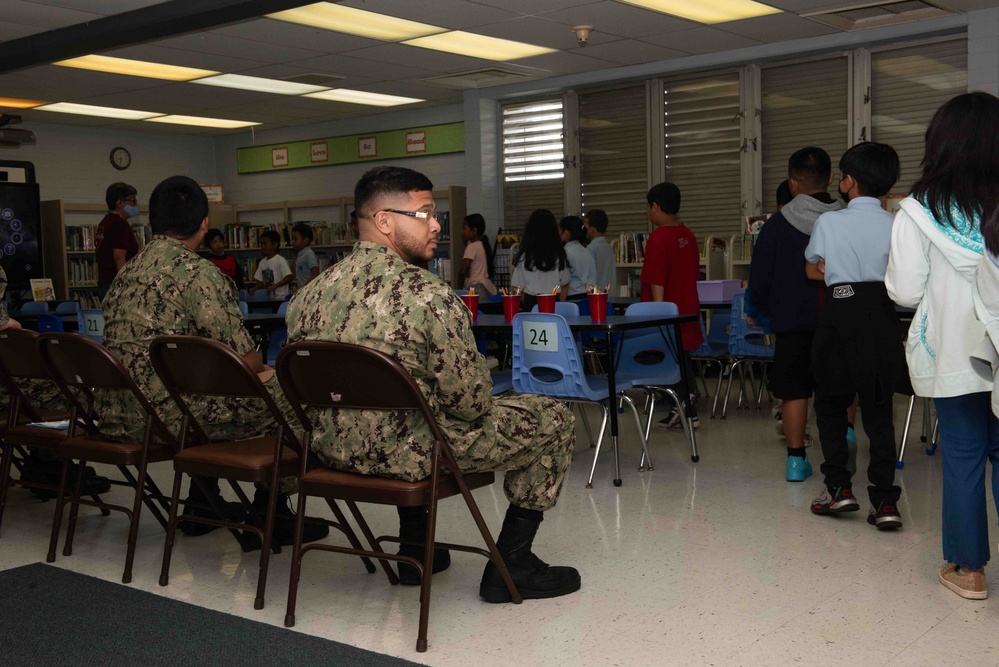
[
  {"x": 113, "y": 233},
  {"x": 226, "y": 264},
  {"x": 673, "y": 261}
]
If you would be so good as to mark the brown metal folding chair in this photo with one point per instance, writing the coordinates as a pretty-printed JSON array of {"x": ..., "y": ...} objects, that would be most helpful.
[
  {"x": 190, "y": 366},
  {"x": 19, "y": 363},
  {"x": 80, "y": 365},
  {"x": 325, "y": 375}
]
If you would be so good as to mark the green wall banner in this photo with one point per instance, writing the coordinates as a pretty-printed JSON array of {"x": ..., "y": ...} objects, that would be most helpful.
[{"x": 391, "y": 145}]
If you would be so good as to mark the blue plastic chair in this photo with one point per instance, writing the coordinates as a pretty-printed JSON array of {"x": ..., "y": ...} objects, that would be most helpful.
[
  {"x": 244, "y": 295},
  {"x": 594, "y": 344},
  {"x": 244, "y": 308},
  {"x": 90, "y": 323},
  {"x": 746, "y": 345},
  {"x": 261, "y": 295},
  {"x": 283, "y": 309},
  {"x": 563, "y": 308},
  {"x": 67, "y": 308},
  {"x": 278, "y": 338},
  {"x": 49, "y": 323},
  {"x": 546, "y": 361},
  {"x": 713, "y": 350},
  {"x": 35, "y": 307},
  {"x": 648, "y": 359},
  {"x": 502, "y": 381}
]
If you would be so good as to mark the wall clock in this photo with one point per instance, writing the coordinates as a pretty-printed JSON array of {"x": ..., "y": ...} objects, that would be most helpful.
[{"x": 120, "y": 158}]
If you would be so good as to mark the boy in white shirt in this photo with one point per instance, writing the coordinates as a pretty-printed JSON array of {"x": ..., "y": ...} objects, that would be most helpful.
[
  {"x": 306, "y": 264},
  {"x": 273, "y": 272}
]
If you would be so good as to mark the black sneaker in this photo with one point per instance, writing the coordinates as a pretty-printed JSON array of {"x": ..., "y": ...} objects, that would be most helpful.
[
  {"x": 672, "y": 421},
  {"x": 885, "y": 517},
  {"x": 834, "y": 501},
  {"x": 284, "y": 524}
]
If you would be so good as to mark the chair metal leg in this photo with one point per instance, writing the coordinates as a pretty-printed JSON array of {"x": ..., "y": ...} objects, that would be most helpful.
[
  {"x": 57, "y": 517},
  {"x": 370, "y": 537},
  {"x": 688, "y": 427},
  {"x": 900, "y": 463},
  {"x": 721, "y": 374},
  {"x": 638, "y": 423},
  {"x": 351, "y": 535},
  {"x": 600, "y": 439},
  {"x": 5, "y": 468},
  {"x": 133, "y": 521},
  {"x": 932, "y": 449},
  {"x": 586, "y": 422},
  {"x": 74, "y": 510},
  {"x": 296, "y": 563},
  {"x": 171, "y": 530},
  {"x": 728, "y": 387}
]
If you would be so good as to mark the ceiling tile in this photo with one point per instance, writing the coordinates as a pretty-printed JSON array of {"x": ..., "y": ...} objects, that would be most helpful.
[
  {"x": 401, "y": 54},
  {"x": 286, "y": 71},
  {"x": 619, "y": 19},
  {"x": 454, "y": 14},
  {"x": 106, "y": 7},
  {"x": 43, "y": 15},
  {"x": 701, "y": 40},
  {"x": 532, "y": 7},
  {"x": 542, "y": 32},
  {"x": 561, "y": 62},
  {"x": 362, "y": 68},
  {"x": 777, "y": 28},
  {"x": 631, "y": 52},
  {"x": 272, "y": 31},
  {"x": 173, "y": 56},
  {"x": 224, "y": 45},
  {"x": 9, "y": 31}
]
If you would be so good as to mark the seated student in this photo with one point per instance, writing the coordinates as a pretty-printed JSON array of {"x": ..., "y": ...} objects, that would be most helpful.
[
  {"x": 582, "y": 268},
  {"x": 169, "y": 290},
  {"x": 780, "y": 289},
  {"x": 601, "y": 251},
  {"x": 540, "y": 265},
  {"x": 273, "y": 272},
  {"x": 857, "y": 347},
  {"x": 215, "y": 241},
  {"x": 670, "y": 271},
  {"x": 306, "y": 264},
  {"x": 413, "y": 316},
  {"x": 477, "y": 262}
]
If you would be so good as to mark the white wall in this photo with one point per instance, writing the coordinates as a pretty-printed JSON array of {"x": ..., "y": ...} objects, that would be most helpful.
[
  {"x": 983, "y": 51},
  {"x": 335, "y": 180},
  {"x": 72, "y": 161}
]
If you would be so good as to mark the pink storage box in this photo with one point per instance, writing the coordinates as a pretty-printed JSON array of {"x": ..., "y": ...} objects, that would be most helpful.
[{"x": 717, "y": 290}]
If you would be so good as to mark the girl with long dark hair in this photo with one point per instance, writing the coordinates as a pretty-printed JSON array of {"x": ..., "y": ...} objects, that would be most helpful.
[
  {"x": 477, "y": 263},
  {"x": 540, "y": 264}
]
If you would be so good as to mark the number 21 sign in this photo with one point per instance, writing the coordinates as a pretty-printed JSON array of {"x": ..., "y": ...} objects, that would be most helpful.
[{"x": 541, "y": 336}]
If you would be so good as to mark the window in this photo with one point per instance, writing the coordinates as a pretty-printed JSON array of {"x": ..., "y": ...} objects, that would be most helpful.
[
  {"x": 533, "y": 161},
  {"x": 907, "y": 87}
]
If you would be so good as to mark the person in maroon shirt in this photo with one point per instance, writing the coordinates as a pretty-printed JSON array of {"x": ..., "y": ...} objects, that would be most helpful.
[
  {"x": 671, "y": 268},
  {"x": 114, "y": 239},
  {"x": 215, "y": 240}
]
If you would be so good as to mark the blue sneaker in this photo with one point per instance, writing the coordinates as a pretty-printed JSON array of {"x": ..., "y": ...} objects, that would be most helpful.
[
  {"x": 798, "y": 469},
  {"x": 851, "y": 436}
]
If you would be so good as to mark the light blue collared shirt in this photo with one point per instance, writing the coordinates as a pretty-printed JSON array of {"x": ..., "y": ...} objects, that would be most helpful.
[{"x": 853, "y": 241}]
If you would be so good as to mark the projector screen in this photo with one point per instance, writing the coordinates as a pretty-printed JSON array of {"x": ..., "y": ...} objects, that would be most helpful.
[{"x": 20, "y": 233}]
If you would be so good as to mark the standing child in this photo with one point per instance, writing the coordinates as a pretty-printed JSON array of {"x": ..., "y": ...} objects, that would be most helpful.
[
  {"x": 582, "y": 268},
  {"x": 477, "y": 262},
  {"x": 306, "y": 264},
  {"x": 858, "y": 348},
  {"x": 600, "y": 250},
  {"x": 540, "y": 264},
  {"x": 215, "y": 241},
  {"x": 273, "y": 272}
]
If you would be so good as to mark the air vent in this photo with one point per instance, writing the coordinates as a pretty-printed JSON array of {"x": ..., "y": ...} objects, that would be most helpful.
[
  {"x": 875, "y": 15},
  {"x": 486, "y": 77},
  {"x": 314, "y": 79}
]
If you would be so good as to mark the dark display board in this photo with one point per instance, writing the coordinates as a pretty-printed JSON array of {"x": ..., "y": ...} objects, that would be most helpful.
[{"x": 20, "y": 233}]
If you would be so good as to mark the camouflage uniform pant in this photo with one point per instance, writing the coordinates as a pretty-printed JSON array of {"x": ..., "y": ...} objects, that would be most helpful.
[{"x": 536, "y": 439}]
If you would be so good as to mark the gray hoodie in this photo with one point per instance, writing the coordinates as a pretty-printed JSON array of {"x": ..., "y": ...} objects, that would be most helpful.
[{"x": 802, "y": 212}]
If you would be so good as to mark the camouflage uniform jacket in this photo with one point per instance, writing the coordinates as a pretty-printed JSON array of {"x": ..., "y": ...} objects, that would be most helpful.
[
  {"x": 4, "y": 316},
  {"x": 376, "y": 299},
  {"x": 166, "y": 290}
]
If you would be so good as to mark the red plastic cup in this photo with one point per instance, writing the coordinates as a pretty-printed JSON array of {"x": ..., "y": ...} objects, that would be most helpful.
[
  {"x": 598, "y": 307},
  {"x": 511, "y": 306},
  {"x": 546, "y": 303},
  {"x": 472, "y": 302}
]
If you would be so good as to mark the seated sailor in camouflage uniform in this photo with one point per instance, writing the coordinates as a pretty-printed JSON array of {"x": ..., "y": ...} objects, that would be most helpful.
[
  {"x": 378, "y": 297},
  {"x": 168, "y": 289}
]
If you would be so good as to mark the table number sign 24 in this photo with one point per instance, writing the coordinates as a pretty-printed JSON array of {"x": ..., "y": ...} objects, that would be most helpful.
[{"x": 541, "y": 336}]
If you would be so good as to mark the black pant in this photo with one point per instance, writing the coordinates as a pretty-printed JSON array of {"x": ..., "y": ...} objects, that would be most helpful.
[{"x": 830, "y": 415}]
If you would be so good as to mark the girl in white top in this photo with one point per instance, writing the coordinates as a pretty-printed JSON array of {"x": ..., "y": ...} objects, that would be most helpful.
[
  {"x": 540, "y": 264},
  {"x": 936, "y": 246},
  {"x": 582, "y": 266},
  {"x": 477, "y": 263}
]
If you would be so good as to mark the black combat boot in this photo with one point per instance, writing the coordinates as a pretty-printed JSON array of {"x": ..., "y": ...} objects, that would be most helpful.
[
  {"x": 233, "y": 511},
  {"x": 534, "y": 578},
  {"x": 284, "y": 523},
  {"x": 413, "y": 527}
]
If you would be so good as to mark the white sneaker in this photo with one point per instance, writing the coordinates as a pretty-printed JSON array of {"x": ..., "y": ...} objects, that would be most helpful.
[{"x": 492, "y": 363}]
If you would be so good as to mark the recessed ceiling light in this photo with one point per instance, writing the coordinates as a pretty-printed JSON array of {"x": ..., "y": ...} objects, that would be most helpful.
[
  {"x": 707, "y": 11},
  {"x": 198, "y": 121},
  {"x": 362, "y": 97},
  {"x": 352, "y": 21},
  {"x": 135, "y": 68},
  {"x": 105, "y": 112},
  {"x": 259, "y": 84},
  {"x": 478, "y": 46},
  {"x": 14, "y": 103}
]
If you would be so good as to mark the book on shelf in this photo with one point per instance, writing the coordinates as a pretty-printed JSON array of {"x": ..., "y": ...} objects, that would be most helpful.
[
  {"x": 444, "y": 220},
  {"x": 751, "y": 232},
  {"x": 326, "y": 234},
  {"x": 143, "y": 235},
  {"x": 630, "y": 247},
  {"x": 88, "y": 300},
  {"x": 82, "y": 272},
  {"x": 42, "y": 289},
  {"x": 80, "y": 238}
]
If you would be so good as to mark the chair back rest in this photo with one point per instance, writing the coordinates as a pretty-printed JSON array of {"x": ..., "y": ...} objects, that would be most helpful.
[
  {"x": 744, "y": 340},
  {"x": 244, "y": 295},
  {"x": 650, "y": 352},
  {"x": 19, "y": 360},
  {"x": 718, "y": 331},
  {"x": 35, "y": 307},
  {"x": 261, "y": 295},
  {"x": 283, "y": 309},
  {"x": 195, "y": 366},
  {"x": 90, "y": 323},
  {"x": 342, "y": 376},
  {"x": 461, "y": 292},
  {"x": 67, "y": 308},
  {"x": 244, "y": 308},
  {"x": 80, "y": 363},
  {"x": 563, "y": 308},
  {"x": 546, "y": 360},
  {"x": 47, "y": 322}
]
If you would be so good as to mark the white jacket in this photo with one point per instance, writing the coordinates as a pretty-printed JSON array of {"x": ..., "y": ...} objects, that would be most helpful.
[
  {"x": 985, "y": 359},
  {"x": 932, "y": 271}
]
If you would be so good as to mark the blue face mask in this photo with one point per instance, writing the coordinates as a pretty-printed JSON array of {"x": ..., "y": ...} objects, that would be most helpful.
[{"x": 132, "y": 211}]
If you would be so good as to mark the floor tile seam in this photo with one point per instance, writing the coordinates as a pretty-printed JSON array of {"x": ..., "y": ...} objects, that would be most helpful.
[{"x": 928, "y": 630}]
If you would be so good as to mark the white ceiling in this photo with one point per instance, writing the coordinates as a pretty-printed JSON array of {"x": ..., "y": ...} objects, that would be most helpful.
[{"x": 623, "y": 35}]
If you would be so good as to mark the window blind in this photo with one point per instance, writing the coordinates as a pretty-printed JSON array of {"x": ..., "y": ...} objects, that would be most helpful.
[
  {"x": 907, "y": 87},
  {"x": 804, "y": 104},
  {"x": 613, "y": 156},
  {"x": 701, "y": 130},
  {"x": 533, "y": 161}
]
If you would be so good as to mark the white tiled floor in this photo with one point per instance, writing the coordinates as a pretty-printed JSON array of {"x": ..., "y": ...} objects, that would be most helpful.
[{"x": 714, "y": 563}]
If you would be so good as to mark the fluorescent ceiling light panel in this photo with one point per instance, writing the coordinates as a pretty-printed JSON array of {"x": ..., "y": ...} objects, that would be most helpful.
[
  {"x": 259, "y": 85},
  {"x": 707, "y": 11},
  {"x": 478, "y": 46},
  {"x": 352, "y": 21},
  {"x": 362, "y": 97},
  {"x": 105, "y": 112},
  {"x": 135, "y": 68},
  {"x": 198, "y": 121},
  {"x": 14, "y": 103}
]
